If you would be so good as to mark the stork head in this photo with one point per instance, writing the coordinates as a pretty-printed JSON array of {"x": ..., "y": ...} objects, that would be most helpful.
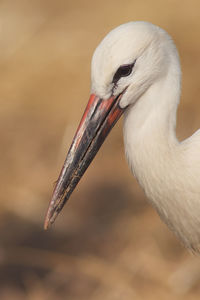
[
  {"x": 124, "y": 65},
  {"x": 129, "y": 59}
]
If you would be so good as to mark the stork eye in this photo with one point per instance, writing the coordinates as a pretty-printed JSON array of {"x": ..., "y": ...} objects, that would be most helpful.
[{"x": 123, "y": 71}]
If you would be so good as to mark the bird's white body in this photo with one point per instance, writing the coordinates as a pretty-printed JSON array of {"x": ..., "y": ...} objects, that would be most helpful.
[{"x": 168, "y": 170}]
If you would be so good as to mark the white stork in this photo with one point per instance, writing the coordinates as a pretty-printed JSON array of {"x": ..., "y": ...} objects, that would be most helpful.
[{"x": 136, "y": 72}]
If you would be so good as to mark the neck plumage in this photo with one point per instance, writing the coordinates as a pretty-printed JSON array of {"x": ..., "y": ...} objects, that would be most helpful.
[
  {"x": 149, "y": 126},
  {"x": 159, "y": 161}
]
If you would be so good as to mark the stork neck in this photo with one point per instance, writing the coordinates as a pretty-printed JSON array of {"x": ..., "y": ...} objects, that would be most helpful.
[
  {"x": 155, "y": 112},
  {"x": 149, "y": 127}
]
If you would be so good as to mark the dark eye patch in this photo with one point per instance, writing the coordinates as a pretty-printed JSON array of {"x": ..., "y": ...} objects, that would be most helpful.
[{"x": 123, "y": 71}]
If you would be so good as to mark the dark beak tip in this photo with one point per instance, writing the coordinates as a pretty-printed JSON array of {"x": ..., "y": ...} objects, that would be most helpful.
[
  {"x": 46, "y": 225},
  {"x": 50, "y": 217},
  {"x": 47, "y": 222},
  {"x": 54, "y": 208}
]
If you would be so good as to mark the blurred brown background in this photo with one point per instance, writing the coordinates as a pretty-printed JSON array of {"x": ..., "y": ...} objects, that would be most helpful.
[{"x": 108, "y": 243}]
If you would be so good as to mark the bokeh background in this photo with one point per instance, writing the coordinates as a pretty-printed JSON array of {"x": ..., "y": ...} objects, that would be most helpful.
[{"x": 108, "y": 242}]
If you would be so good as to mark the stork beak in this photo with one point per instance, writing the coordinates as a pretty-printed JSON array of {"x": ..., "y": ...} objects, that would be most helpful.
[{"x": 98, "y": 119}]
